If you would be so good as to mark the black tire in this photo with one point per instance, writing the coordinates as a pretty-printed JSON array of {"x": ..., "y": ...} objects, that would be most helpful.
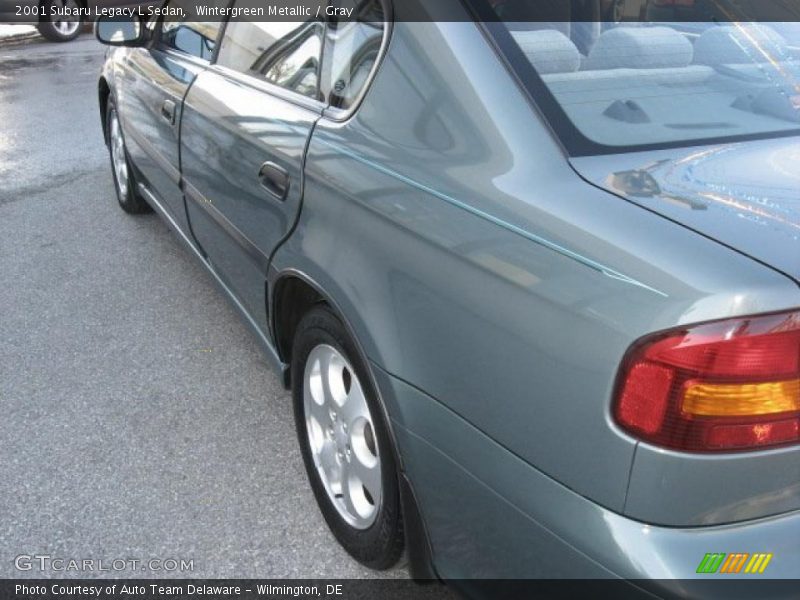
[
  {"x": 47, "y": 25},
  {"x": 129, "y": 198},
  {"x": 380, "y": 546}
]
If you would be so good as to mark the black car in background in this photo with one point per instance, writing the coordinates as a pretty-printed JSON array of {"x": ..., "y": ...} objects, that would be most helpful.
[{"x": 60, "y": 28}]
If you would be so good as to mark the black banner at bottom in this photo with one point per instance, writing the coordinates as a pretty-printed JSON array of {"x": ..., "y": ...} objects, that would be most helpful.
[{"x": 391, "y": 589}]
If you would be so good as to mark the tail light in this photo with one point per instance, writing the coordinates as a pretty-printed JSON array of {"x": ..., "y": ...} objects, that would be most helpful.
[{"x": 727, "y": 385}]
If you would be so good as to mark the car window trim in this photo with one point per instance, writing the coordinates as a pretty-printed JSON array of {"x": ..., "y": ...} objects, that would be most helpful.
[
  {"x": 273, "y": 89},
  {"x": 264, "y": 85},
  {"x": 221, "y": 34},
  {"x": 295, "y": 43},
  {"x": 179, "y": 55},
  {"x": 339, "y": 115},
  {"x": 325, "y": 110}
]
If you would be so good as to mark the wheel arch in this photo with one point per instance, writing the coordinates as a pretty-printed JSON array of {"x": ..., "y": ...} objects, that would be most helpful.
[
  {"x": 293, "y": 294},
  {"x": 292, "y": 297}
]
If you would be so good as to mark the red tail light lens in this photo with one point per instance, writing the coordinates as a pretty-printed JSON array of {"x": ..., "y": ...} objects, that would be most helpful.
[{"x": 722, "y": 386}]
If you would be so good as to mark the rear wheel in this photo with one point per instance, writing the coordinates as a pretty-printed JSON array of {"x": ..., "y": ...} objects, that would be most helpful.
[
  {"x": 344, "y": 441},
  {"x": 61, "y": 27}
]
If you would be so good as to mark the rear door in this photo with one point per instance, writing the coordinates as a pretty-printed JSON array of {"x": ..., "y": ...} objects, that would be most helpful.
[
  {"x": 154, "y": 81},
  {"x": 246, "y": 123}
]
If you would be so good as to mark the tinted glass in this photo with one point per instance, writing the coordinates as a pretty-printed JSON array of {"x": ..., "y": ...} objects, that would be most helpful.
[
  {"x": 633, "y": 84},
  {"x": 351, "y": 50},
  {"x": 286, "y": 54},
  {"x": 190, "y": 37}
]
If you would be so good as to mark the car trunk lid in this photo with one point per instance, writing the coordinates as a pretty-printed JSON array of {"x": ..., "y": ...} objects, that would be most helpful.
[{"x": 743, "y": 195}]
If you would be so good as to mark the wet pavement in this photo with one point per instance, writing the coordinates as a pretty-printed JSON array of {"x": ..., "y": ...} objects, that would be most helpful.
[{"x": 139, "y": 418}]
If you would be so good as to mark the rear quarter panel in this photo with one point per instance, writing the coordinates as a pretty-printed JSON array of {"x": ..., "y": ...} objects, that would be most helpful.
[{"x": 475, "y": 265}]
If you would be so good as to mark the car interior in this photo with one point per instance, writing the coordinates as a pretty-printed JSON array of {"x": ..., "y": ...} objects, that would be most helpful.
[{"x": 653, "y": 83}]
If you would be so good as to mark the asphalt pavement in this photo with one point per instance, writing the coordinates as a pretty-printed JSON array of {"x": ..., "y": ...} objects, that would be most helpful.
[{"x": 138, "y": 418}]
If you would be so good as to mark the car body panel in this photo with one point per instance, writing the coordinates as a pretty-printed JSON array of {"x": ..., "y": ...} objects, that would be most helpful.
[
  {"x": 510, "y": 303},
  {"x": 744, "y": 195},
  {"x": 229, "y": 129},
  {"x": 514, "y": 522},
  {"x": 152, "y": 78},
  {"x": 185, "y": 237},
  {"x": 674, "y": 488}
]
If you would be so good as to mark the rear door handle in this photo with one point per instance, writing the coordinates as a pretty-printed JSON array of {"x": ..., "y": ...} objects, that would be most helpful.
[
  {"x": 168, "y": 111},
  {"x": 275, "y": 179}
]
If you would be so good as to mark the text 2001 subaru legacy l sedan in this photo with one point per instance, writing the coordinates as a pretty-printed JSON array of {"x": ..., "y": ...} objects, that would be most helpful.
[{"x": 538, "y": 308}]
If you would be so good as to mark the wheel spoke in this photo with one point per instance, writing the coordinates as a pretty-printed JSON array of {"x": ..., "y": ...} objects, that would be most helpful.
[
  {"x": 325, "y": 368},
  {"x": 320, "y": 413},
  {"x": 337, "y": 389},
  {"x": 355, "y": 406},
  {"x": 328, "y": 463},
  {"x": 370, "y": 476},
  {"x": 347, "y": 492}
]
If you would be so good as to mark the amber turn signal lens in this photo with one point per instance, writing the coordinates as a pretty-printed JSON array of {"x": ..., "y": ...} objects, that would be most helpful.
[{"x": 741, "y": 399}]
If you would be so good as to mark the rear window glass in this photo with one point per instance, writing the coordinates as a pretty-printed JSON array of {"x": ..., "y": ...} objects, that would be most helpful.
[{"x": 629, "y": 85}]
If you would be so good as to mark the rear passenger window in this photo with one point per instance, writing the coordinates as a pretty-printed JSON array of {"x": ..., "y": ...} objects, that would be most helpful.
[
  {"x": 351, "y": 51},
  {"x": 286, "y": 54}
]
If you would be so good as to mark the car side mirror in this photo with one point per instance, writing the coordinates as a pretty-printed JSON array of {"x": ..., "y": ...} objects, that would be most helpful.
[{"x": 114, "y": 32}]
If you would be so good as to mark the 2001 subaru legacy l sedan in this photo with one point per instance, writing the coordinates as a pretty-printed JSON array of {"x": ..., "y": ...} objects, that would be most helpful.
[{"x": 538, "y": 309}]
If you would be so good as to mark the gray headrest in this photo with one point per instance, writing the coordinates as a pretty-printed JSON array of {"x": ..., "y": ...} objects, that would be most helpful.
[
  {"x": 640, "y": 48},
  {"x": 739, "y": 44},
  {"x": 550, "y": 51}
]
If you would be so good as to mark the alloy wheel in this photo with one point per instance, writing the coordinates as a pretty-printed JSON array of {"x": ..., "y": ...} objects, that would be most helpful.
[
  {"x": 118, "y": 158},
  {"x": 341, "y": 436}
]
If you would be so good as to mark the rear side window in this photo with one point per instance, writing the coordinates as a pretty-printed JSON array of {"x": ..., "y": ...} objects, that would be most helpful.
[
  {"x": 283, "y": 53},
  {"x": 352, "y": 48}
]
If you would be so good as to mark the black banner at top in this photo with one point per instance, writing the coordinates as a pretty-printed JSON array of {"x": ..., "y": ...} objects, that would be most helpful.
[{"x": 533, "y": 11}]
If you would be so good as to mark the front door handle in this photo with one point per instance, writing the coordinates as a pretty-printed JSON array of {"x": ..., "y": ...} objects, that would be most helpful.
[
  {"x": 168, "y": 111},
  {"x": 275, "y": 179}
]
